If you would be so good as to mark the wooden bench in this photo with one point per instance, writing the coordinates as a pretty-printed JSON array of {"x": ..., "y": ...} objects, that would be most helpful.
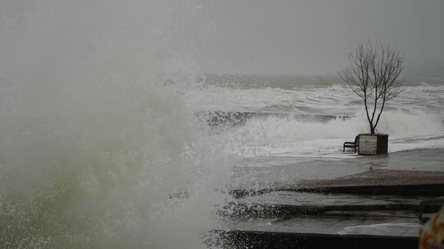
[{"x": 354, "y": 144}]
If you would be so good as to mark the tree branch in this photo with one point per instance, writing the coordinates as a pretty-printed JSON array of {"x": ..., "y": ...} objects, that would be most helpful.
[{"x": 375, "y": 76}]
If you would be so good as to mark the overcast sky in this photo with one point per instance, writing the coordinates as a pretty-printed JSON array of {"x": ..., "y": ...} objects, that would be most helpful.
[
  {"x": 308, "y": 36},
  {"x": 225, "y": 36}
]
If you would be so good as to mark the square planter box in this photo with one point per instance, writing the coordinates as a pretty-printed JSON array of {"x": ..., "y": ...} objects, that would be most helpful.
[{"x": 372, "y": 144}]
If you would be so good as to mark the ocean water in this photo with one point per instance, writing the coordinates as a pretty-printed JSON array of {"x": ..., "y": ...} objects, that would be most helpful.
[
  {"x": 312, "y": 115},
  {"x": 98, "y": 146},
  {"x": 112, "y": 138},
  {"x": 286, "y": 129}
]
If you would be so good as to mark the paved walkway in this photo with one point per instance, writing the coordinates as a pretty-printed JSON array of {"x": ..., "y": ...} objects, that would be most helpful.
[
  {"x": 378, "y": 177},
  {"x": 380, "y": 207},
  {"x": 377, "y": 181}
]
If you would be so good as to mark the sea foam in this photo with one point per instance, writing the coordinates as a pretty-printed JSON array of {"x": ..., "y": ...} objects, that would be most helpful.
[{"x": 95, "y": 152}]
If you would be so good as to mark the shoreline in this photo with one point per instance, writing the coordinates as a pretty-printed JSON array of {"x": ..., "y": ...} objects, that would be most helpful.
[{"x": 316, "y": 213}]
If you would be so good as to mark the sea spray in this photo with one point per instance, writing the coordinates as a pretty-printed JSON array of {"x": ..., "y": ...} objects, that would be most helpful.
[
  {"x": 317, "y": 135},
  {"x": 98, "y": 148}
]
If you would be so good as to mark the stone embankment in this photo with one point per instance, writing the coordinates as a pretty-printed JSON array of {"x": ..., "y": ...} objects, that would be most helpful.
[{"x": 375, "y": 209}]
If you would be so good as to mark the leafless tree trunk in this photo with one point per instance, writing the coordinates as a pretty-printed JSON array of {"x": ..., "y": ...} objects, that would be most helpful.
[{"x": 375, "y": 76}]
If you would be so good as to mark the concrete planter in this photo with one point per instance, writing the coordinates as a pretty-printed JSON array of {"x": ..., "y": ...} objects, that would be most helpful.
[{"x": 372, "y": 144}]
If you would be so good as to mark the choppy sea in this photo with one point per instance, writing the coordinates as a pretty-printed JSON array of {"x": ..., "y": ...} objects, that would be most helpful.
[
  {"x": 310, "y": 116},
  {"x": 110, "y": 137},
  {"x": 285, "y": 129}
]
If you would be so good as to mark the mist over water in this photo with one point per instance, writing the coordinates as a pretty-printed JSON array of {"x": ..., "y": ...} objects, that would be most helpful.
[
  {"x": 311, "y": 116},
  {"x": 101, "y": 144},
  {"x": 95, "y": 151}
]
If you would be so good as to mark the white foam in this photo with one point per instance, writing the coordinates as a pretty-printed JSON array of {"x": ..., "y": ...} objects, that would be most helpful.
[
  {"x": 384, "y": 229},
  {"x": 288, "y": 136},
  {"x": 91, "y": 146},
  {"x": 329, "y": 100}
]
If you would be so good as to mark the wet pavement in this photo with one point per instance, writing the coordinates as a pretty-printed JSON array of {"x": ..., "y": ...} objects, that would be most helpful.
[
  {"x": 327, "y": 213},
  {"x": 393, "y": 226},
  {"x": 382, "y": 201}
]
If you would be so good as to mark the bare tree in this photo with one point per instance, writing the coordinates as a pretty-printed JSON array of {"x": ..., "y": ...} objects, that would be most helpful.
[{"x": 375, "y": 76}]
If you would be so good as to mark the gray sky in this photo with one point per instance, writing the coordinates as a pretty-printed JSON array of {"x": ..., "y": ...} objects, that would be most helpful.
[
  {"x": 221, "y": 36},
  {"x": 308, "y": 36}
]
